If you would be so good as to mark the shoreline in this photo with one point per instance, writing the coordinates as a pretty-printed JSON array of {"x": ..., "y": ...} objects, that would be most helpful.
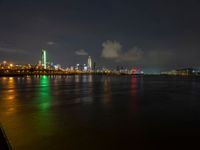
[{"x": 100, "y": 74}]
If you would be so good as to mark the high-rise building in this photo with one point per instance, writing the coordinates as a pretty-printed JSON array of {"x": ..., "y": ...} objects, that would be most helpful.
[
  {"x": 40, "y": 63},
  {"x": 94, "y": 66},
  {"x": 89, "y": 63},
  {"x": 44, "y": 59}
]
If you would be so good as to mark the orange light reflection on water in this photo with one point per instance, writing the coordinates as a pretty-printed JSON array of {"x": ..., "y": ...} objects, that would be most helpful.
[
  {"x": 9, "y": 95},
  {"x": 107, "y": 91}
]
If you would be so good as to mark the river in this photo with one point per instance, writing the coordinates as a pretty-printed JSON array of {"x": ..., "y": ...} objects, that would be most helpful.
[{"x": 92, "y": 112}]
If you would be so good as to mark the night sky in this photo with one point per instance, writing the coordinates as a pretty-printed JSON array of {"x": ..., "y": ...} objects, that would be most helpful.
[{"x": 152, "y": 34}]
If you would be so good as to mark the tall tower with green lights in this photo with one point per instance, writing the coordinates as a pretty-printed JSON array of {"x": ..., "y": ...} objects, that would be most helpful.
[{"x": 44, "y": 59}]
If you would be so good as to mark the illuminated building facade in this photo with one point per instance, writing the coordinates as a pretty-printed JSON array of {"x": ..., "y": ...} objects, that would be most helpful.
[
  {"x": 44, "y": 59},
  {"x": 187, "y": 72},
  {"x": 89, "y": 63}
]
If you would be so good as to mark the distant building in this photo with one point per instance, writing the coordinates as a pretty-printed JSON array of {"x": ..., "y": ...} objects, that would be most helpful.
[
  {"x": 171, "y": 72},
  {"x": 183, "y": 72},
  {"x": 187, "y": 71},
  {"x": 89, "y": 63},
  {"x": 40, "y": 63},
  {"x": 117, "y": 68},
  {"x": 44, "y": 59},
  {"x": 58, "y": 66},
  {"x": 85, "y": 68},
  {"x": 94, "y": 66}
]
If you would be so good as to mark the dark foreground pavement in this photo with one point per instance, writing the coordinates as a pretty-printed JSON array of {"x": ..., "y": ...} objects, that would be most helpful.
[{"x": 4, "y": 145}]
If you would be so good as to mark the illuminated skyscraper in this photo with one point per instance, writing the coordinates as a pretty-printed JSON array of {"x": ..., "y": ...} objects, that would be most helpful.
[
  {"x": 44, "y": 59},
  {"x": 89, "y": 63}
]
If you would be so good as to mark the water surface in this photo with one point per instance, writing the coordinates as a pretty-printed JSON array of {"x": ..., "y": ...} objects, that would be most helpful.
[{"x": 100, "y": 112}]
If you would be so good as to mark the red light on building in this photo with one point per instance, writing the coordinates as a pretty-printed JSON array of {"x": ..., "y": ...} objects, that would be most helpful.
[{"x": 134, "y": 70}]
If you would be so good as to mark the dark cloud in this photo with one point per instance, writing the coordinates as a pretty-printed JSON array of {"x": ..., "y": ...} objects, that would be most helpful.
[
  {"x": 113, "y": 50},
  {"x": 81, "y": 52},
  {"x": 50, "y": 43},
  {"x": 8, "y": 50}
]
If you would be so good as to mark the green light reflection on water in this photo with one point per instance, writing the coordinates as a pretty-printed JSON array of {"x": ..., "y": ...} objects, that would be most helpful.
[
  {"x": 44, "y": 120},
  {"x": 44, "y": 94}
]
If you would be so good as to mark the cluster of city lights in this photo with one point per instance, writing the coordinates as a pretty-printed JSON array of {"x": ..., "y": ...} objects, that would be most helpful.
[{"x": 45, "y": 67}]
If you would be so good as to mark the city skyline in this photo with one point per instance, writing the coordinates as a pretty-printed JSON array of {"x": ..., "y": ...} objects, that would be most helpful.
[{"x": 156, "y": 35}]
